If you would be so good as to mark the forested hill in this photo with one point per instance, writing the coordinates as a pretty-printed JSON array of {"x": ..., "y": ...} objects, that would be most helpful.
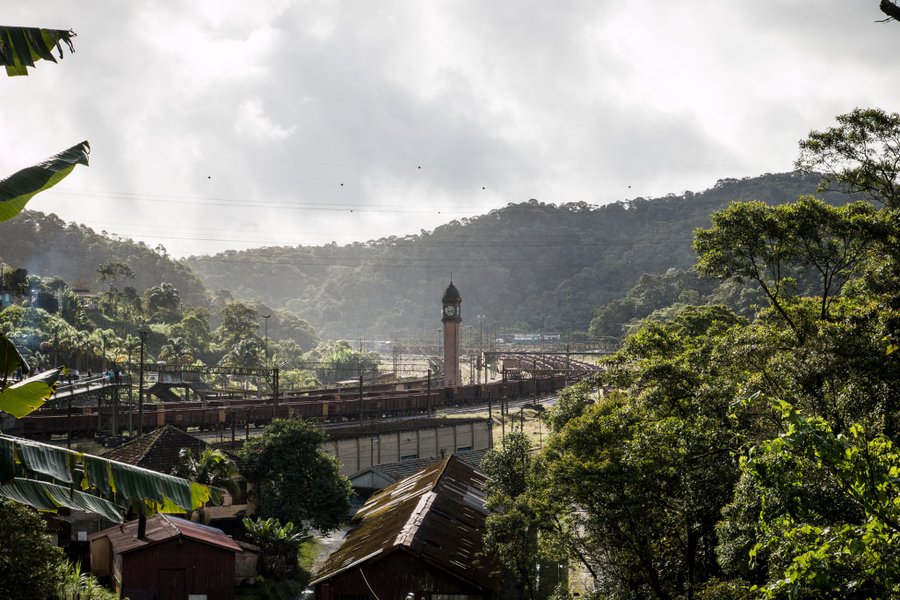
[
  {"x": 530, "y": 265},
  {"x": 45, "y": 245}
]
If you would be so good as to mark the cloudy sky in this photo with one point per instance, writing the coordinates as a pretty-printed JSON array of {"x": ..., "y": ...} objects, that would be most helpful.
[{"x": 219, "y": 125}]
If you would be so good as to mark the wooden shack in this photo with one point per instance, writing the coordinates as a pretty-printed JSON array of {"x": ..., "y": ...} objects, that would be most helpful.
[
  {"x": 175, "y": 559},
  {"x": 419, "y": 536}
]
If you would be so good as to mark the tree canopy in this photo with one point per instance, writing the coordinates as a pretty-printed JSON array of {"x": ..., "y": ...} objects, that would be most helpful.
[
  {"x": 294, "y": 480},
  {"x": 753, "y": 455}
]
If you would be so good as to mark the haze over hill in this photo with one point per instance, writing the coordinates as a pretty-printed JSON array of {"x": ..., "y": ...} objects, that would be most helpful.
[{"x": 529, "y": 265}]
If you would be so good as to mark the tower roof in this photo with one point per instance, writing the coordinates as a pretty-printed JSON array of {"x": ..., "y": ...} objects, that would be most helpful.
[{"x": 451, "y": 295}]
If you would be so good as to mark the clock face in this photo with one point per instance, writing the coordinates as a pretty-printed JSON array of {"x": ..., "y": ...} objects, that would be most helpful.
[{"x": 450, "y": 310}]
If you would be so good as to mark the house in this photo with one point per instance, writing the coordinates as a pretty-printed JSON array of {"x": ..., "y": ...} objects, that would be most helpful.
[
  {"x": 420, "y": 535},
  {"x": 175, "y": 559}
]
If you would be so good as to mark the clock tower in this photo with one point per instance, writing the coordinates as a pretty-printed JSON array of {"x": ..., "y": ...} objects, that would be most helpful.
[{"x": 451, "y": 318}]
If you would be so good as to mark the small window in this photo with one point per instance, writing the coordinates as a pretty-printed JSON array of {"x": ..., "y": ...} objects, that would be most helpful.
[
  {"x": 464, "y": 448},
  {"x": 407, "y": 457}
]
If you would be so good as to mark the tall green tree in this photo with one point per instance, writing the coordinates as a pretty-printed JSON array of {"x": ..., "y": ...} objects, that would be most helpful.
[
  {"x": 780, "y": 248},
  {"x": 635, "y": 483},
  {"x": 238, "y": 321},
  {"x": 512, "y": 527},
  {"x": 816, "y": 513},
  {"x": 28, "y": 561},
  {"x": 339, "y": 362},
  {"x": 163, "y": 303},
  {"x": 294, "y": 480},
  {"x": 861, "y": 154}
]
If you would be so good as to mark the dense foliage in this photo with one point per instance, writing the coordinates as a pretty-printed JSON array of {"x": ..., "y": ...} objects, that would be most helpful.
[
  {"x": 747, "y": 455},
  {"x": 294, "y": 480},
  {"x": 28, "y": 560},
  {"x": 279, "y": 546}
]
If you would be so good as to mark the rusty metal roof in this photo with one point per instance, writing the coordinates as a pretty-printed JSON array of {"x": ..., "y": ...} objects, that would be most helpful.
[
  {"x": 161, "y": 528},
  {"x": 395, "y": 471},
  {"x": 437, "y": 515}
]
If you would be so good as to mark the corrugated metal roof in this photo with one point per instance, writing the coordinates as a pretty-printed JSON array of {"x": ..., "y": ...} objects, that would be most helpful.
[
  {"x": 161, "y": 528},
  {"x": 436, "y": 515},
  {"x": 398, "y": 470}
]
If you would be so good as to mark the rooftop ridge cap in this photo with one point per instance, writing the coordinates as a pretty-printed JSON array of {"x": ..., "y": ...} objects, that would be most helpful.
[{"x": 440, "y": 475}]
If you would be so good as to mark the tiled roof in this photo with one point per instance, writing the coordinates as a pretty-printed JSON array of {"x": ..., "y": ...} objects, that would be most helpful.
[
  {"x": 161, "y": 528},
  {"x": 157, "y": 450},
  {"x": 436, "y": 515}
]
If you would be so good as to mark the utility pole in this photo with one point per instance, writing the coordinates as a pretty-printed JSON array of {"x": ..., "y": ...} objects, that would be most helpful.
[
  {"x": 143, "y": 333},
  {"x": 428, "y": 394},
  {"x": 490, "y": 420},
  {"x": 275, "y": 390},
  {"x": 504, "y": 407}
]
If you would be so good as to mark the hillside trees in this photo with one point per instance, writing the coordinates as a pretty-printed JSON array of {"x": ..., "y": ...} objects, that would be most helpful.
[
  {"x": 747, "y": 457},
  {"x": 558, "y": 262},
  {"x": 636, "y": 482},
  {"x": 339, "y": 362},
  {"x": 163, "y": 303},
  {"x": 779, "y": 247}
]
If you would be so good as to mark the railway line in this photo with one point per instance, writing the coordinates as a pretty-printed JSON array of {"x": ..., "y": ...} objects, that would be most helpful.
[{"x": 100, "y": 411}]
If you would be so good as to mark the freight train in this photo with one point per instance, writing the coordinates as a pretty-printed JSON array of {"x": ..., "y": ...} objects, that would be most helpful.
[{"x": 332, "y": 405}]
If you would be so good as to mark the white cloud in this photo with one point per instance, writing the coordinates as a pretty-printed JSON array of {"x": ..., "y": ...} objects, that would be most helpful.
[
  {"x": 258, "y": 117},
  {"x": 252, "y": 122}
]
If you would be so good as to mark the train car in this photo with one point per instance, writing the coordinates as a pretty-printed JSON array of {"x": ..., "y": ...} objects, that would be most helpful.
[{"x": 331, "y": 405}]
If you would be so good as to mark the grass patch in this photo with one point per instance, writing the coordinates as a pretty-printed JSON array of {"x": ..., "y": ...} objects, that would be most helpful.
[{"x": 309, "y": 552}]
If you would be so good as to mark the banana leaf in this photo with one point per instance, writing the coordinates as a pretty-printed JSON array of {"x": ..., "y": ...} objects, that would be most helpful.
[
  {"x": 10, "y": 358},
  {"x": 58, "y": 463},
  {"x": 47, "y": 496},
  {"x": 113, "y": 482},
  {"x": 134, "y": 483},
  {"x": 20, "y": 47},
  {"x": 17, "y": 189},
  {"x": 97, "y": 475},
  {"x": 28, "y": 395}
]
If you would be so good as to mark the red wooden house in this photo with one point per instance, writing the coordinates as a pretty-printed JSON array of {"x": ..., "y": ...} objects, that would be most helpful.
[{"x": 175, "y": 559}]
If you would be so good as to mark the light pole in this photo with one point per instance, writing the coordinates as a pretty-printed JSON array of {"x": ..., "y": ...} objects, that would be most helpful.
[{"x": 265, "y": 319}]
